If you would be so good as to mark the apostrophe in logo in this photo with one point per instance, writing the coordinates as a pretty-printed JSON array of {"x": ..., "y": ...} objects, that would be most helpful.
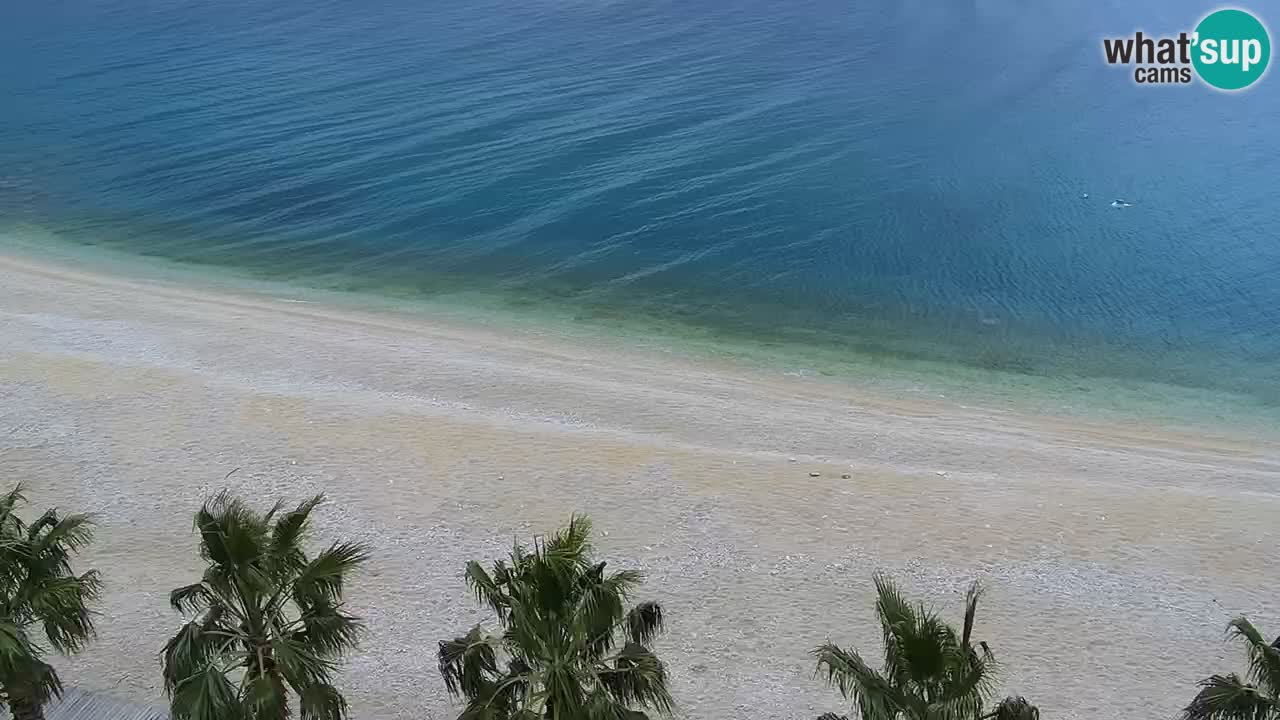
[
  {"x": 1229, "y": 50},
  {"x": 1232, "y": 49}
]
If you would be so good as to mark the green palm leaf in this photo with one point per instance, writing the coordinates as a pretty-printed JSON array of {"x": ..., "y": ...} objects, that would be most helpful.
[
  {"x": 1227, "y": 697},
  {"x": 290, "y": 529},
  {"x": 269, "y": 622},
  {"x": 1264, "y": 657},
  {"x": 930, "y": 672},
  {"x": 849, "y": 673},
  {"x": 320, "y": 580},
  {"x": 322, "y": 701},
  {"x": 1016, "y": 708},
  {"x": 41, "y": 599},
  {"x": 562, "y": 616},
  {"x": 1230, "y": 697}
]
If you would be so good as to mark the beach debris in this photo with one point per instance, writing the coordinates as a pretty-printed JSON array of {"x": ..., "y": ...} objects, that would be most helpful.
[
  {"x": 1121, "y": 203},
  {"x": 501, "y": 478},
  {"x": 791, "y": 459},
  {"x": 941, "y": 473},
  {"x": 815, "y": 474},
  {"x": 845, "y": 476},
  {"x": 1084, "y": 196}
]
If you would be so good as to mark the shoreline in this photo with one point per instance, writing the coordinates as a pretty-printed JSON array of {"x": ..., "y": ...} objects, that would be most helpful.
[
  {"x": 437, "y": 440},
  {"x": 1087, "y": 398}
]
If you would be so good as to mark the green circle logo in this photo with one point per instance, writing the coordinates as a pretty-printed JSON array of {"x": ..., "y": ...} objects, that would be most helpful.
[{"x": 1231, "y": 49}]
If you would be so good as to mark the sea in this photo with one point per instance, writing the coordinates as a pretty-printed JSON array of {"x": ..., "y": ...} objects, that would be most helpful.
[{"x": 836, "y": 187}]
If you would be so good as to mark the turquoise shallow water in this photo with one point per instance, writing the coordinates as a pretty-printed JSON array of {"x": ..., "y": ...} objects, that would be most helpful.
[{"x": 897, "y": 182}]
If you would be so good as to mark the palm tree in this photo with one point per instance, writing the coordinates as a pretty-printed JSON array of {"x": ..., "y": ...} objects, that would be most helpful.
[
  {"x": 267, "y": 621},
  {"x": 569, "y": 650},
  {"x": 40, "y": 595},
  {"x": 1228, "y": 697},
  {"x": 930, "y": 672}
]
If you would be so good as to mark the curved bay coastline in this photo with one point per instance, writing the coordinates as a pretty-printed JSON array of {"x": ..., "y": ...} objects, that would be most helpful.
[{"x": 1115, "y": 549}]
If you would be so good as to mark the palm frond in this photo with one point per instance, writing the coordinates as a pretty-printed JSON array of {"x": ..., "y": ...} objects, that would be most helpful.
[
  {"x": 565, "y": 693},
  {"x": 299, "y": 664},
  {"x": 15, "y": 647},
  {"x": 206, "y": 695},
  {"x": 1227, "y": 697},
  {"x": 21, "y": 665},
  {"x": 48, "y": 519},
  {"x": 38, "y": 680},
  {"x": 68, "y": 535},
  {"x": 275, "y": 510},
  {"x": 62, "y": 606},
  {"x": 8, "y": 503},
  {"x": 190, "y": 598},
  {"x": 638, "y": 677},
  {"x": 322, "y": 701},
  {"x": 487, "y": 589},
  {"x": 897, "y": 620},
  {"x": 191, "y": 651},
  {"x": 922, "y": 653},
  {"x": 957, "y": 705},
  {"x": 231, "y": 533},
  {"x": 209, "y": 523},
  {"x": 601, "y": 606},
  {"x": 644, "y": 622},
  {"x": 962, "y": 688},
  {"x": 1264, "y": 657},
  {"x": 600, "y": 705},
  {"x": 290, "y": 530},
  {"x": 849, "y": 673},
  {"x": 327, "y": 631},
  {"x": 1016, "y": 708},
  {"x": 322, "y": 578},
  {"x": 262, "y": 698},
  {"x": 468, "y": 664},
  {"x": 970, "y": 611},
  {"x": 568, "y": 551},
  {"x": 891, "y": 607}
]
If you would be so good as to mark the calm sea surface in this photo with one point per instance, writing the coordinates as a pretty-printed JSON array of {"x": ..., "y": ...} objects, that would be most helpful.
[{"x": 896, "y": 178}]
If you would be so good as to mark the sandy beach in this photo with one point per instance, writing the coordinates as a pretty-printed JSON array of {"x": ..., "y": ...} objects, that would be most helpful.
[{"x": 1114, "y": 553}]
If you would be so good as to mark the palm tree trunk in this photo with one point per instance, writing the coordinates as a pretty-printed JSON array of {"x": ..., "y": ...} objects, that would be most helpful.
[{"x": 23, "y": 705}]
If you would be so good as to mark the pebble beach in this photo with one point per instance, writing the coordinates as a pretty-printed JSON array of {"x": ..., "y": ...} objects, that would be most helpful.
[{"x": 757, "y": 503}]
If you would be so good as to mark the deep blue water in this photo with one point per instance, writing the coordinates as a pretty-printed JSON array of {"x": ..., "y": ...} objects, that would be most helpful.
[{"x": 892, "y": 176}]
